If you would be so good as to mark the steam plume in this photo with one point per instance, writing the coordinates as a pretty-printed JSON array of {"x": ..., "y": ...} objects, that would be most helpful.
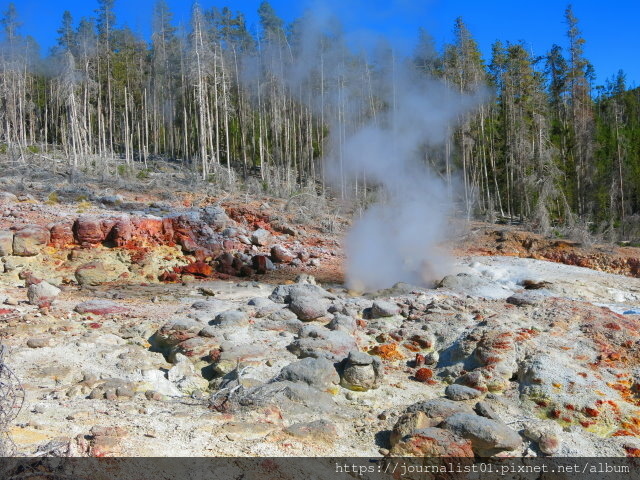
[{"x": 381, "y": 124}]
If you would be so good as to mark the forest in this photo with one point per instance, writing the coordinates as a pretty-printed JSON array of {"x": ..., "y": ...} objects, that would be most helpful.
[{"x": 545, "y": 145}]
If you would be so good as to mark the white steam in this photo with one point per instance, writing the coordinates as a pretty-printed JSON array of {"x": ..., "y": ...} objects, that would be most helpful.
[
  {"x": 400, "y": 238},
  {"x": 383, "y": 117}
]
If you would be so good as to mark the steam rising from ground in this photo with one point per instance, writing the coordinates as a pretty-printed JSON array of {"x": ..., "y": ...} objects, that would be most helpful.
[
  {"x": 399, "y": 238},
  {"x": 383, "y": 117}
]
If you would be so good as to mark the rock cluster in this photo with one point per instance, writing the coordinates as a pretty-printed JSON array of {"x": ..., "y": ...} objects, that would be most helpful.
[
  {"x": 205, "y": 241},
  {"x": 440, "y": 427}
]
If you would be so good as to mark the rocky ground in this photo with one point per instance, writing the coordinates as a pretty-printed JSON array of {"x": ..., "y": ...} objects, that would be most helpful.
[{"x": 219, "y": 326}]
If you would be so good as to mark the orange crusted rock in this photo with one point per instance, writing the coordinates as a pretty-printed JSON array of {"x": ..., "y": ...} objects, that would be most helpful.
[
  {"x": 199, "y": 269},
  {"x": 424, "y": 374},
  {"x": 388, "y": 351}
]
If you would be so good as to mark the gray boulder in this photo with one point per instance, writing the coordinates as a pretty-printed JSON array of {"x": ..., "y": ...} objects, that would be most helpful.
[
  {"x": 461, "y": 392},
  {"x": 231, "y": 318},
  {"x": 215, "y": 216},
  {"x": 308, "y": 308},
  {"x": 287, "y": 395},
  {"x": 260, "y": 237},
  {"x": 260, "y": 302},
  {"x": 316, "y": 372},
  {"x": 361, "y": 372},
  {"x": 488, "y": 437},
  {"x": 6, "y": 243},
  {"x": 30, "y": 240},
  {"x": 318, "y": 342},
  {"x": 343, "y": 322},
  {"x": 286, "y": 293},
  {"x": 524, "y": 299},
  {"x": 382, "y": 308},
  {"x": 439, "y": 408},
  {"x": 42, "y": 294}
]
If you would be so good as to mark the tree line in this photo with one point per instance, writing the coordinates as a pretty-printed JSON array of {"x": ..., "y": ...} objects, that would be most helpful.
[{"x": 547, "y": 147}]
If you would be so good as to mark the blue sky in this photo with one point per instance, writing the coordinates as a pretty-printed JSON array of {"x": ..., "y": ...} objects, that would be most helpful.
[{"x": 608, "y": 27}]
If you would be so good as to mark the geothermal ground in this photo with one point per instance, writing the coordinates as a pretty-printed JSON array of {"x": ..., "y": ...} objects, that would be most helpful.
[{"x": 218, "y": 326}]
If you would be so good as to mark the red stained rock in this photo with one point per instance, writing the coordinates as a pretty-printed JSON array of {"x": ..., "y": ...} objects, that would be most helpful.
[
  {"x": 424, "y": 374},
  {"x": 199, "y": 269},
  {"x": 61, "y": 234},
  {"x": 121, "y": 232},
  {"x": 259, "y": 264},
  {"x": 591, "y": 412},
  {"x": 193, "y": 347},
  {"x": 281, "y": 254},
  {"x": 304, "y": 256},
  {"x": 229, "y": 244},
  {"x": 152, "y": 230},
  {"x": 169, "y": 277},
  {"x": 100, "y": 307},
  {"x": 29, "y": 278},
  {"x": 433, "y": 442},
  {"x": 106, "y": 441},
  {"x": 88, "y": 230},
  {"x": 171, "y": 336},
  {"x": 187, "y": 243}
]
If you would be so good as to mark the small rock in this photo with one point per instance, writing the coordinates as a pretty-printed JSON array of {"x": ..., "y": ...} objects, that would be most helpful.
[
  {"x": 40, "y": 342},
  {"x": 244, "y": 239},
  {"x": 6, "y": 243},
  {"x": 306, "y": 278},
  {"x": 280, "y": 254},
  {"x": 439, "y": 408},
  {"x": 260, "y": 302},
  {"x": 522, "y": 300},
  {"x": 231, "y": 318},
  {"x": 89, "y": 230},
  {"x": 207, "y": 292},
  {"x": 288, "y": 293},
  {"x": 431, "y": 358},
  {"x": 304, "y": 256},
  {"x": 100, "y": 307},
  {"x": 316, "y": 341},
  {"x": 262, "y": 264},
  {"x": 319, "y": 431},
  {"x": 260, "y": 237},
  {"x": 485, "y": 410},
  {"x": 460, "y": 392},
  {"x": 125, "y": 392},
  {"x": 383, "y": 308},
  {"x": 153, "y": 395},
  {"x": 42, "y": 294},
  {"x": 546, "y": 435},
  {"x": 184, "y": 376},
  {"x": 30, "y": 240},
  {"x": 407, "y": 424},
  {"x": 343, "y": 322}
]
